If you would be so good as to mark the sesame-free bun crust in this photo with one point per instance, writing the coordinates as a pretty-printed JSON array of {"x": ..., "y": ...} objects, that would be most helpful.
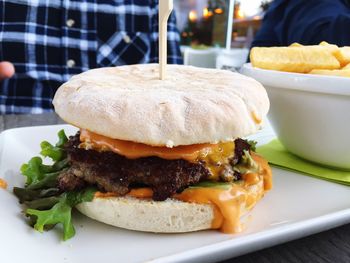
[
  {"x": 191, "y": 106},
  {"x": 170, "y": 216}
]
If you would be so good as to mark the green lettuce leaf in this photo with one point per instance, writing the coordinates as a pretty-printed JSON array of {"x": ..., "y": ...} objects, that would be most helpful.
[
  {"x": 35, "y": 170},
  {"x": 252, "y": 145},
  {"x": 247, "y": 164},
  {"x": 43, "y": 203},
  {"x": 62, "y": 139},
  {"x": 61, "y": 212},
  {"x": 77, "y": 197},
  {"x": 49, "y": 180},
  {"x": 206, "y": 184},
  {"x": 56, "y": 153},
  {"x": 25, "y": 194},
  {"x": 48, "y": 150}
]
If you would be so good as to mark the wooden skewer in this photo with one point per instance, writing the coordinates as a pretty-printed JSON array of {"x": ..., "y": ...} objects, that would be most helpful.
[
  {"x": 230, "y": 15},
  {"x": 165, "y": 8}
]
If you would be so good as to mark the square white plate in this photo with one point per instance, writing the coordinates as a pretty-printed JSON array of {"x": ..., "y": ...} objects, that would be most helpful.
[{"x": 297, "y": 206}]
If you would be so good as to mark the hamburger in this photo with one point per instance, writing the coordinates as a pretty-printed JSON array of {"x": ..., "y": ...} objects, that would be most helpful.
[{"x": 163, "y": 156}]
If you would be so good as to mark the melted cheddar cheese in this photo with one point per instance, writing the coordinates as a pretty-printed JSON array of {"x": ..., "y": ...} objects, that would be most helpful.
[
  {"x": 215, "y": 156},
  {"x": 218, "y": 158}
]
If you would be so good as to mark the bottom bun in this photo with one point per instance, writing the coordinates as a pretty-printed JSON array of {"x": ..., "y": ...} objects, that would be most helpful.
[{"x": 169, "y": 216}]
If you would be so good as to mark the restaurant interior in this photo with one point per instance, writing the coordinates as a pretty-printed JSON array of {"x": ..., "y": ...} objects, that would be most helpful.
[{"x": 215, "y": 34}]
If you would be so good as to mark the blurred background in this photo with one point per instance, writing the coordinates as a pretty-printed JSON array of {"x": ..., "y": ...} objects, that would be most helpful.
[{"x": 218, "y": 33}]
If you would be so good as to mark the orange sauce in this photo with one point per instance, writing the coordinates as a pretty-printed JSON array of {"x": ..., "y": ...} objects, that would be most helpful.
[
  {"x": 251, "y": 178},
  {"x": 227, "y": 202},
  {"x": 3, "y": 183},
  {"x": 137, "y": 193},
  {"x": 133, "y": 150},
  {"x": 265, "y": 170},
  {"x": 141, "y": 193}
]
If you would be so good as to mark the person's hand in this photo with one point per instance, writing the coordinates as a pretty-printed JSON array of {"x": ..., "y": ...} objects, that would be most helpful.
[{"x": 6, "y": 70}]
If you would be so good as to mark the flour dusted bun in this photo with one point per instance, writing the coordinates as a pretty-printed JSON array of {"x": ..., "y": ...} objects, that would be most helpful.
[
  {"x": 170, "y": 216},
  {"x": 193, "y": 105}
]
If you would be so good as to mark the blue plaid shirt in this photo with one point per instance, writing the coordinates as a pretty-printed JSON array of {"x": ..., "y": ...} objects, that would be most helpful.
[{"x": 48, "y": 41}]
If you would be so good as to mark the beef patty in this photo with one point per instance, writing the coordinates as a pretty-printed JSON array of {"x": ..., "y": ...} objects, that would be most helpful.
[{"x": 111, "y": 172}]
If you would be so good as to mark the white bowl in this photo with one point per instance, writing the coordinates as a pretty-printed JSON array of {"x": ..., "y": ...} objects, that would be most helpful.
[{"x": 309, "y": 113}]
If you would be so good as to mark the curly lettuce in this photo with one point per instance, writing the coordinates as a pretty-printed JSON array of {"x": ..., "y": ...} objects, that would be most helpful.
[
  {"x": 61, "y": 212},
  {"x": 252, "y": 145},
  {"x": 46, "y": 205}
]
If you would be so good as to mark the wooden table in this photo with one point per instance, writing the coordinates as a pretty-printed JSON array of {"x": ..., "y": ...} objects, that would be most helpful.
[{"x": 330, "y": 246}]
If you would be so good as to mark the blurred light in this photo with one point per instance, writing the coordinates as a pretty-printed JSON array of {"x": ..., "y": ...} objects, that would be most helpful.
[
  {"x": 257, "y": 17},
  {"x": 219, "y": 11},
  {"x": 207, "y": 13},
  {"x": 192, "y": 16},
  {"x": 240, "y": 14}
]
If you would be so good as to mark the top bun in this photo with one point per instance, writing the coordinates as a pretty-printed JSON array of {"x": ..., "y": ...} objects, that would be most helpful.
[{"x": 191, "y": 106}]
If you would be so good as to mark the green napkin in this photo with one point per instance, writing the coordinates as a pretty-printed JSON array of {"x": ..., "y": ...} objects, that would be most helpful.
[{"x": 276, "y": 154}]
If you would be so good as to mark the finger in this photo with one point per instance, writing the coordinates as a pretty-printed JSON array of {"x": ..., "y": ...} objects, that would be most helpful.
[{"x": 6, "y": 70}]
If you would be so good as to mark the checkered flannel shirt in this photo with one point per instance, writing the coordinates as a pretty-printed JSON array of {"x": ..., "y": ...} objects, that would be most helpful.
[{"x": 48, "y": 41}]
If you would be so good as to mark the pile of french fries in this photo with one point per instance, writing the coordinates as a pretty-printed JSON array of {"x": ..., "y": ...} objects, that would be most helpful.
[{"x": 322, "y": 59}]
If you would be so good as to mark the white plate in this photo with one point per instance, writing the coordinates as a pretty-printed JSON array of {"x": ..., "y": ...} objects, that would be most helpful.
[{"x": 297, "y": 206}]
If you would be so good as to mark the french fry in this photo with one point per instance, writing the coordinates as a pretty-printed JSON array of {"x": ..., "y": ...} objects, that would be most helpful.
[
  {"x": 334, "y": 49},
  {"x": 346, "y": 67},
  {"x": 342, "y": 54},
  {"x": 301, "y": 59},
  {"x": 335, "y": 72},
  {"x": 295, "y": 44},
  {"x": 329, "y": 46}
]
